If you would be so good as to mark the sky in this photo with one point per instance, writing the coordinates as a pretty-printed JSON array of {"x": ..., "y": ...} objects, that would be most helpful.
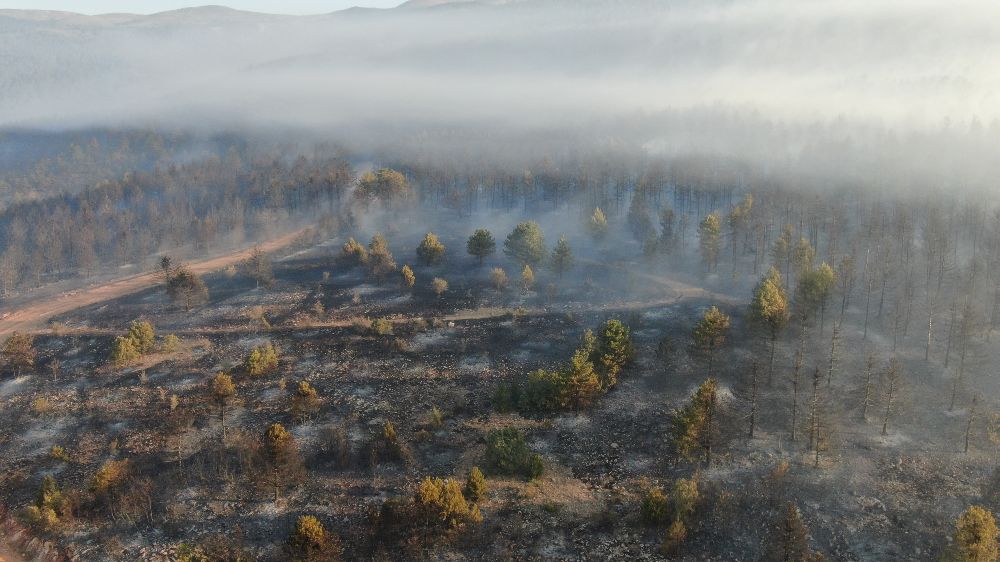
[{"x": 153, "y": 6}]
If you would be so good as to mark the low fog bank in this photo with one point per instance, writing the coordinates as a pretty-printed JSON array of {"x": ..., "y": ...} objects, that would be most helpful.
[{"x": 908, "y": 88}]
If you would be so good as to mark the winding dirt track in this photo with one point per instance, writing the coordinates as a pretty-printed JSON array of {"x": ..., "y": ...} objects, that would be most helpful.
[
  {"x": 32, "y": 317},
  {"x": 676, "y": 291}
]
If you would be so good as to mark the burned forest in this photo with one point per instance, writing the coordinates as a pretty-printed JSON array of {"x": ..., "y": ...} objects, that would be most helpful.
[
  {"x": 566, "y": 364},
  {"x": 469, "y": 293}
]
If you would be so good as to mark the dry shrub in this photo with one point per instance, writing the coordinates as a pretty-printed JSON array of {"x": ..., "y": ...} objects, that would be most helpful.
[
  {"x": 386, "y": 446},
  {"x": 381, "y": 327},
  {"x": 456, "y": 400},
  {"x": 335, "y": 445},
  {"x": 59, "y": 453},
  {"x": 419, "y": 325},
  {"x": 361, "y": 325},
  {"x": 776, "y": 483},
  {"x": 41, "y": 406}
]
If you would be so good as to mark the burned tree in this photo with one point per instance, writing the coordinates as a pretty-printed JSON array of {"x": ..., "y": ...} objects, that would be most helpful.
[
  {"x": 752, "y": 417},
  {"x": 869, "y": 386},
  {"x": 893, "y": 376}
]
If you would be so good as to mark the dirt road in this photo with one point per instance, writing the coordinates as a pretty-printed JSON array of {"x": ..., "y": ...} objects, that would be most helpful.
[
  {"x": 677, "y": 291},
  {"x": 32, "y": 317}
]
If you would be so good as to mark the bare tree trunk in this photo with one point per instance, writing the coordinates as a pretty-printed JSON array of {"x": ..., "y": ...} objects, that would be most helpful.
[
  {"x": 814, "y": 409},
  {"x": 930, "y": 330},
  {"x": 868, "y": 304},
  {"x": 833, "y": 355},
  {"x": 869, "y": 388},
  {"x": 770, "y": 369},
  {"x": 951, "y": 333},
  {"x": 995, "y": 313},
  {"x": 753, "y": 397},
  {"x": 796, "y": 376},
  {"x": 843, "y": 305},
  {"x": 817, "y": 444},
  {"x": 222, "y": 418},
  {"x": 968, "y": 426},
  {"x": 955, "y": 384},
  {"x": 881, "y": 300},
  {"x": 890, "y": 395},
  {"x": 709, "y": 422}
]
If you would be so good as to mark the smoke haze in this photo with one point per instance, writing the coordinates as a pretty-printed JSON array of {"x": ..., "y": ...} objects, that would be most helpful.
[{"x": 762, "y": 81}]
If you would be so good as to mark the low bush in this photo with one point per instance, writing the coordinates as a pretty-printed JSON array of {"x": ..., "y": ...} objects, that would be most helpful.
[
  {"x": 591, "y": 371},
  {"x": 386, "y": 446},
  {"x": 475, "y": 485},
  {"x": 262, "y": 360},
  {"x": 507, "y": 453},
  {"x": 381, "y": 327},
  {"x": 310, "y": 541},
  {"x": 59, "y": 453},
  {"x": 655, "y": 507},
  {"x": 170, "y": 343}
]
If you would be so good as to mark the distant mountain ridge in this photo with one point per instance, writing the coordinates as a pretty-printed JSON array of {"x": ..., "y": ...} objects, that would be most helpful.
[
  {"x": 221, "y": 13},
  {"x": 203, "y": 14},
  {"x": 429, "y": 60}
]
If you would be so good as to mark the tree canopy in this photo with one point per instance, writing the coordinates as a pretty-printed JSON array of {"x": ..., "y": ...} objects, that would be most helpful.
[
  {"x": 562, "y": 257},
  {"x": 710, "y": 333},
  {"x": 19, "y": 352},
  {"x": 693, "y": 424},
  {"x": 481, "y": 244},
  {"x": 431, "y": 250},
  {"x": 709, "y": 232},
  {"x": 976, "y": 536},
  {"x": 597, "y": 225},
  {"x": 526, "y": 244},
  {"x": 187, "y": 287},
  {"x": 384, "y": 184}
]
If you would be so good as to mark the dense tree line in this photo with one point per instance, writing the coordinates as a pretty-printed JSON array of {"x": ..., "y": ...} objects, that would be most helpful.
[{"x": 200, "y": 205}]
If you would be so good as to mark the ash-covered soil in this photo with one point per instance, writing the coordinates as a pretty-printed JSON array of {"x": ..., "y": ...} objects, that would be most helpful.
[{"x": 868, "y": 497}]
